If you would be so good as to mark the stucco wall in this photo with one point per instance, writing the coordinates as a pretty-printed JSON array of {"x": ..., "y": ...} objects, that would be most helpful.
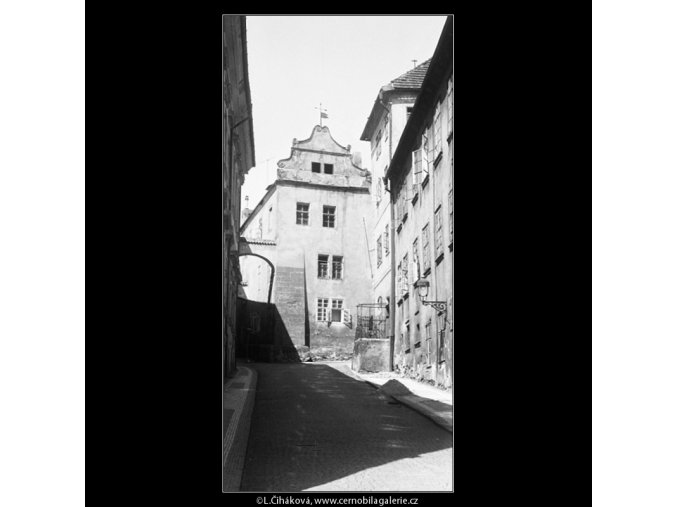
[
  {"x": 294, "y": 248},
  {"x": 413, "y": 354},
  {"x": 300, "y": 245}
]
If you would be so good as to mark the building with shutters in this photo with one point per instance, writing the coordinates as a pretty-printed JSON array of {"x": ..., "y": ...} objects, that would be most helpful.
[
  {"x": 237, "y": 159},
  {"x": 420, "y": 178},
  {"x": 385, "y": 124},
  {"x": 309, "y": 231}
]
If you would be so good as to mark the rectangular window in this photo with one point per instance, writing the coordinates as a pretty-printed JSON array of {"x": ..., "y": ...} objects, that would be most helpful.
[
  {"x": 379, "y": 258},
  {"x": 409, "y": 110},
  {"x": 270, "y": 219},
  {"x": 437, "y": 132},
  {"x": 337, "y": 310},
  {"x": 405, "y": 274},
  {"x": 439, "y": 247},
  {"x": 337, "y": 267},
  {"x": 302, "y": 213},
  {"x": 425, "y": 240},
  {"x": 451, "y": 215},
  {"x": 328, "y": 168},
  {"x": 328, "y": 216},
  {"x": 323, "y": 266},
  {"x": 415, "y": 260},
  {"x": 377, "y": 145},
  {"x": 322, "y": 306},
  {"x": 450, "y": 105},
  {"x": 425, "y": 157},
  {"x": 430, "y": 156},
  {"x": 402, "y": 209},
  {"x": 398, "y": 282},
  {"x": 417, "y": 161},
  {"x": 316, "y": 167},
  {"x": 386, "y": 241}
]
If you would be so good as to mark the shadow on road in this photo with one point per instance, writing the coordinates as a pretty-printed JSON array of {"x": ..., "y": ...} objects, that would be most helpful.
[{"x": 313, "y": 426}]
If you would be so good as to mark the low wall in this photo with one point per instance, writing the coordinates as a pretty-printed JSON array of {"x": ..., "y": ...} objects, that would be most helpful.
[{"x": 371, "y": 354}]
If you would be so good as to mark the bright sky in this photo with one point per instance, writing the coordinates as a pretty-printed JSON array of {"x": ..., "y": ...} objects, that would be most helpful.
[{"x": 296, "y": 62}]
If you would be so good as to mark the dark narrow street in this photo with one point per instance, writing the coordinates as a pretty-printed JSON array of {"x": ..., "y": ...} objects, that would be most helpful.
[{"x": 314, "y": 428}]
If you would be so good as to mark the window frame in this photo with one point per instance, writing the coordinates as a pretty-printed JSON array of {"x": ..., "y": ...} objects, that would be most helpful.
[
  {"x": 340, "y": 264},
  {"x": 323, "y": 260},
  {"x": 306, "y": 211},
  {"x": 328, "y": 212},
  {"x": 425, "y": 248},
  {"x": 405, "y": 275},
  {"x": 336, "y": 307},
  {"x": 438, "y": 232},
  {"x": 451, "y": 217},
  {"x": 450, "y": 109},
  {"x": 437, "y": 133},
  {"x": 386, "y": 241},
  {"x": 321, "y": 307}
]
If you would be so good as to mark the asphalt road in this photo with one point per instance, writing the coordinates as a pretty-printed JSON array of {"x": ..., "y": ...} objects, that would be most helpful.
[{"x": 316, "y": 429}]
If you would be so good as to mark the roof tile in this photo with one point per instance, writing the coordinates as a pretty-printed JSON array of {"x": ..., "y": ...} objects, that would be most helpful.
[{"x": 413, "y": 78}]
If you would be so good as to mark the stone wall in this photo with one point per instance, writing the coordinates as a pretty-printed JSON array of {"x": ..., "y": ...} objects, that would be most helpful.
[{"x": 371, "y": 355}]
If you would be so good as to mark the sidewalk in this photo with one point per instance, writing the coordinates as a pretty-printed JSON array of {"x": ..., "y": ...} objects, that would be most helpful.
[
  {"x": 238, "y": 403},
  {"x": 432, "y": 402}
]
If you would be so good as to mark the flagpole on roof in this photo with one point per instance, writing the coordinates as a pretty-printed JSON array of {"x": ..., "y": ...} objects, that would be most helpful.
[{"x": 323, "y": 113}]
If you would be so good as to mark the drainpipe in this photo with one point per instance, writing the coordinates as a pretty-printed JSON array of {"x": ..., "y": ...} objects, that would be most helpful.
[
  {"x": 392, "y": 250},
  {"x": 393, "y": 316}
]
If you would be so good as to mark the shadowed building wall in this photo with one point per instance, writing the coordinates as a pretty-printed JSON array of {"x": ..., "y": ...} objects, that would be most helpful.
[{"x": 237, "y": 159}]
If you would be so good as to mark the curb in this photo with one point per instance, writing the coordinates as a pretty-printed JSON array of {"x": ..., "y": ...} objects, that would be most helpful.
[
  {"x": 418, "y": 403},
  {"x": 237, "y": 434}
]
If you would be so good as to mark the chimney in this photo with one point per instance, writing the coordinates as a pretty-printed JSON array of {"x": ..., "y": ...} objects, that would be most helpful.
[
  {"x": 357, "y": 159},
  {"x": 246, "y": 211}
]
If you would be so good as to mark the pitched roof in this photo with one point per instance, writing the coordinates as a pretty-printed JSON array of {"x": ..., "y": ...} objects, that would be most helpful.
[
  {"x": 410, "y": 80},
  {"x": 413, "y": 78}
]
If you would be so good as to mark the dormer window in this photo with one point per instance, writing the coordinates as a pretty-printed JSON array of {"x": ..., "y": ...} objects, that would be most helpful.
[{"x": 316, "y": 167}]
